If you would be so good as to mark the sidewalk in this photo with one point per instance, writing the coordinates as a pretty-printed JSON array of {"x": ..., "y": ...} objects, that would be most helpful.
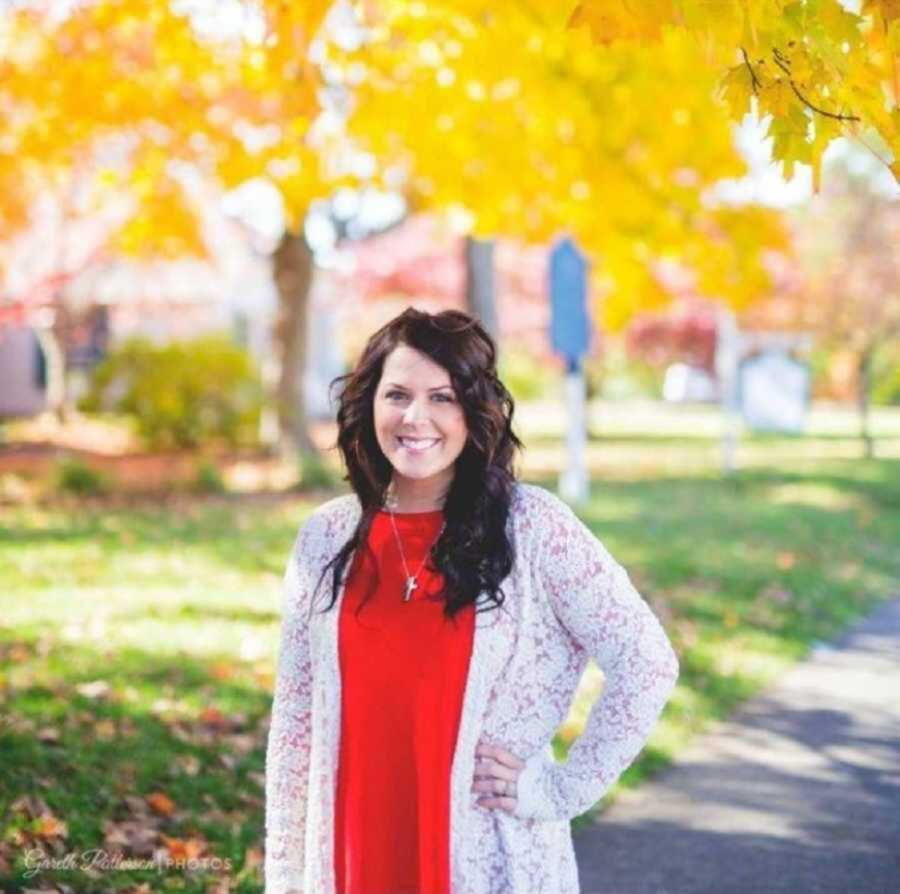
[{"x": 797, "y": 793}]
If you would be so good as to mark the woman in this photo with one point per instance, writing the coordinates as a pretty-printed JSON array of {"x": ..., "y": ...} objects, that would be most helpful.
[{"x": 417, "y": 695}]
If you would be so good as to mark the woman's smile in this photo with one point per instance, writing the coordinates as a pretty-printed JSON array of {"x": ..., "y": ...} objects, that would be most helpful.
[{"x": 415, "y": 446}]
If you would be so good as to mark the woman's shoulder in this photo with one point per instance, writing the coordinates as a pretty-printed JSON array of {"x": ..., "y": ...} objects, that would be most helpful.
[
  {"x": 330, "y": 518},
  {"x": 337, "y": 507},
  {"x": 537, "y": 502}
]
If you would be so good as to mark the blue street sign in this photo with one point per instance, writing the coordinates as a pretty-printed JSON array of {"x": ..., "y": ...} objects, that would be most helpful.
[{"x": 570, "y": 326}]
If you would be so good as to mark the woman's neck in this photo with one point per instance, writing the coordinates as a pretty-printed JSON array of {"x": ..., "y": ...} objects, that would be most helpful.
[{"x": 407, "y": 495}]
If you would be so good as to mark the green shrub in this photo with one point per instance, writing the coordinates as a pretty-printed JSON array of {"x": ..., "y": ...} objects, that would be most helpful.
[
  {"x": 315, "y": 473},
  {"x": 182, "y": 394},
  {"x": 75, "y": 477},
  {"x": 208, "y": 479}
]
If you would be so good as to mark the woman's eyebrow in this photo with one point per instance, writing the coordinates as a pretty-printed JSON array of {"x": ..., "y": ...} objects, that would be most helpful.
[{"x": 403, "y": 387}]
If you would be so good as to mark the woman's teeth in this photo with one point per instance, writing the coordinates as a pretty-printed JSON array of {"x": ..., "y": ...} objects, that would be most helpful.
[{"x": 417, "y": 445}]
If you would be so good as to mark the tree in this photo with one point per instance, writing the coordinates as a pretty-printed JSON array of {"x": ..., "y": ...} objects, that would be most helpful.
[
  {"x": 139, "y": 89},
  {"x": 686, "y": 335},
  {"x": 601, "y": 118},
  {"x": 816, "y": 70},
  {"x": 845, "y": 287}
]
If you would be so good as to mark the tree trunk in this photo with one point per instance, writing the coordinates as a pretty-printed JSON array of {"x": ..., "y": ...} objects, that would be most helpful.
[
  {"x": 55, "y": 358},
  {"x": 480, "y": 301},
  {"x": 862, "y": 399},
  {"x": 293, "y": 268}
]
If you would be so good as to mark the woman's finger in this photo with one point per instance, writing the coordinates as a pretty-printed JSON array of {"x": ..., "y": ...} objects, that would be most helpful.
[
  {"x": 494, "y": 786},
  {"x": 501, "y": 754},
  {"x": 489, "y": 768}
]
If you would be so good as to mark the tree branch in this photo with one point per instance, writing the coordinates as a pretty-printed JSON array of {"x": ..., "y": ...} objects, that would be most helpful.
[
  {"x": 754, "y": 80},
  {"x": 780, "y": 62}
]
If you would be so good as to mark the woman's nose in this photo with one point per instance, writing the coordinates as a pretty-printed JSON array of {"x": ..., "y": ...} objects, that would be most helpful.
[{"x": 413, "y": 411}]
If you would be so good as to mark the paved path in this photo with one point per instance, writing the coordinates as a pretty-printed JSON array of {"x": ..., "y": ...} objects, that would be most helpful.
[{"x": 798, "y": 793}]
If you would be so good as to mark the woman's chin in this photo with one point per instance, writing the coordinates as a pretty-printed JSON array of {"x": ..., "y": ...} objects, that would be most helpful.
[{"x": 417, "y": 468}]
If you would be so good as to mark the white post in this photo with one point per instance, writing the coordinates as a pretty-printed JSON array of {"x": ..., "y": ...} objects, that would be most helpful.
[
  {"x": 727, "y": 351},
  {"x": 574, "y": 485}
]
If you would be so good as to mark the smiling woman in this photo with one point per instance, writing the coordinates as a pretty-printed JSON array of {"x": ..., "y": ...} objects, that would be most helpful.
[{"x": 408, "y": 748}]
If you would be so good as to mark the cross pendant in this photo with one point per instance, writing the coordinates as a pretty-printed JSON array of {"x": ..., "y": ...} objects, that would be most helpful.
[{"x": 410, "y": 586}]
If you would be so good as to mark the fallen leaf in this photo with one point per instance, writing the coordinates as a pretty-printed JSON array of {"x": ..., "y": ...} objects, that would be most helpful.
[
  {"x": 242, "y": 743},
  {"x": 189, "y": 763},
  {"x": 137, "y": 838},
  {"x": 213, "y": 717},
  {"x": 161, "y": 803},
  {"x": 253, "y": 856},
  {"x": 48, "y": 826},
  {"x": 48, "y": 734},
  {"x": 94, "y": 689},
  {"x": 18, "y": 652},
  {"x": 258, "y": 778},
  {"x": 222, "y": 670},
  {"x": 184, "y": 848},
  {"x": 105, "y": 730},
  {"x": 785, "y": 560}
]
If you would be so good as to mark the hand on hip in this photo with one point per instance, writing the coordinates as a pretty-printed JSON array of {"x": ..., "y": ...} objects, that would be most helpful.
[{"x": 496, "y": 772}]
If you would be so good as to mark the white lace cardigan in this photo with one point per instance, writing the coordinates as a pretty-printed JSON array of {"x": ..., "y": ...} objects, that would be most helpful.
[{"x": 566, "y": 599}]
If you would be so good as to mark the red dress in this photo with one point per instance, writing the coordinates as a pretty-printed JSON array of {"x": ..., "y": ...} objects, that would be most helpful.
[{"x": 403, "y": 674}]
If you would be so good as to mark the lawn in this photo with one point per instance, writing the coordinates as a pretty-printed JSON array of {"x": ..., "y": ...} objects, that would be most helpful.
[{"x": 137, "y": 645}]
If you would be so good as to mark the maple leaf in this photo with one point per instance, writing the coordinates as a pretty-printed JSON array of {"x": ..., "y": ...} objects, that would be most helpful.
[
  {"x": 49, "y": 826},
  {"x": 161, "y": 803},
  {"x": 184, "y": 848},
  {"x": 212, "y": 716}
]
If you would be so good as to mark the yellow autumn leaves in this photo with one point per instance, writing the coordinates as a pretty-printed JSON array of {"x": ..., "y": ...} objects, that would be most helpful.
[{"x": 607, "y": 119}]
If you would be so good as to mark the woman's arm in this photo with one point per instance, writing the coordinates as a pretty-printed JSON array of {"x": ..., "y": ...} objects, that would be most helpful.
[
  {"x": 595, "y": 601},
  {"x": 287, "y": 752}
]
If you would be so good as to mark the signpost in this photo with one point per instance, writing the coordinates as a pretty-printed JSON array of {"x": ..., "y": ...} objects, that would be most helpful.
[
  {"x": 761, "y": 385},
  {"x": 728, "y": 349},
  {"x": 774, "y": 389},
  {"x": 570, "y": 335}
]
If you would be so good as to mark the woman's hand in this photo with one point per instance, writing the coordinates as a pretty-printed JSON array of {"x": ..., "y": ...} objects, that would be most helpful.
[{"x": 496, "y": 772}]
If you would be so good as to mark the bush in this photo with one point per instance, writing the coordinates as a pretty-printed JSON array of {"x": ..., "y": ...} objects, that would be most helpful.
[
  {"x": 74, "y": 477},
  {"x": 316, "y": 473},
  {"x": 208, "y": 479},
  {"x": 182, "y": 394}
]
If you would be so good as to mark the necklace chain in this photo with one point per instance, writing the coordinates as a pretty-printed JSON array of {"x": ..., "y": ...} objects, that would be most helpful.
[{"x": 411, "y": 582}]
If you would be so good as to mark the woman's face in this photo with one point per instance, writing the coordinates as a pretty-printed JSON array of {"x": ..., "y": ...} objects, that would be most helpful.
[{"x": 419, "y": 424}]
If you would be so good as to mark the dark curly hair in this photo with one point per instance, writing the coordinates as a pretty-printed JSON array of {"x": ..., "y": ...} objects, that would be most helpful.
[{"x": 474, "y": 553}]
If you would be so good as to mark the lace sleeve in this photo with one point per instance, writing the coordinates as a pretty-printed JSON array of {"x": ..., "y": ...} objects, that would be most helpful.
[
  {"x": 596, "y": 603},
  {"x": 287, "y": 750}
]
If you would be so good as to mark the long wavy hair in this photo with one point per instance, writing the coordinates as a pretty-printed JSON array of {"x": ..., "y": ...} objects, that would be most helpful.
[{"x": 474, "y": 553}]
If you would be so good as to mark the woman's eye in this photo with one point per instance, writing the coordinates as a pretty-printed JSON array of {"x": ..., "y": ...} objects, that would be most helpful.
[{"x": 445, "y": 398}]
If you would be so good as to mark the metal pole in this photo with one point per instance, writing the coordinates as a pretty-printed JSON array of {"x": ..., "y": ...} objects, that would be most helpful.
[
  {"x": 727, "y": 351},
  {"x": 574, "y": 485}
]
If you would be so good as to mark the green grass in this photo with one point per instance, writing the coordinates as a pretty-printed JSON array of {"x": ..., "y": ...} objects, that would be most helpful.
[{"x": 137, "y": 644}]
